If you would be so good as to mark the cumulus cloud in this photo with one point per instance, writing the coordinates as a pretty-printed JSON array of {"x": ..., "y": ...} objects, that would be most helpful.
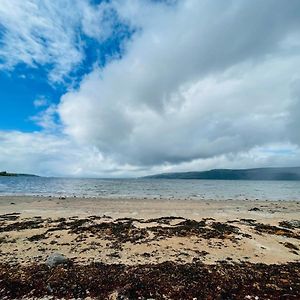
[
  {"x": 201, "y": 84},
  {"x": 200, "y": 79},
  {"x": 51, "y": 155}
]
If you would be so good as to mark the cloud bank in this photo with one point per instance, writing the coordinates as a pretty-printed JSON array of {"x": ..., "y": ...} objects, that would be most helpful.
[
  {"x": 202, "y": 79},
  {"x": 200, "y": 84}
]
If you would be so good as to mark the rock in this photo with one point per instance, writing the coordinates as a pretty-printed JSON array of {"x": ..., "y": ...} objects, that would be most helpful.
[
  {"x": 56, "y": 259},
  {"x": 254, "y": 209}
]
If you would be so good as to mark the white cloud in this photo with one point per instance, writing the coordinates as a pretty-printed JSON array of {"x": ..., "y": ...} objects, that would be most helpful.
[
  {"x": 98, "y": 22},
  {"x": 40, "y": 102},
  {"x": 47, "y": 33},
  {"x": 40, "y": 33},
  {"x": 202, "y": 84},
  {"x": 47, "y": 119},
  {"x": 52, "y": 155},
  {"x": 271, "y": 155},
  {"x": 199, "y": 80},
  {"x": 47, "y": 154}
]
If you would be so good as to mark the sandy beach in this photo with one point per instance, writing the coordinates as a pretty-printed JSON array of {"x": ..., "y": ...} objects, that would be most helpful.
[{"x": 149, "y": 232}]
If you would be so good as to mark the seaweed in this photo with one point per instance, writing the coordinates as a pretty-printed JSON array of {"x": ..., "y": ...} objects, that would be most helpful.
[
  {"x": 16, "y": 226},
  {"x": 9, "y": 217},
  {"x": 167, "y": 280},
  {"x": 269, "y": 229},
  {"x": 125, "y": 231},
  {"x": 37, "y": 237},
  {"x": 292, "y": 224}
]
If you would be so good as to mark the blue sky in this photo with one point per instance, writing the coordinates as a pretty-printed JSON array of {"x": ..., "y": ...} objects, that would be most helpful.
[
  {"x": 20, "y": 88},
  {"x": 134, "y": 87},
  {"x": 24, "y": 84}
]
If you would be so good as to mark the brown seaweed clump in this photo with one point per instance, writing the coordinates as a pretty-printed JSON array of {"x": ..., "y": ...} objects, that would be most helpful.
[
  {"x": 160, "y": 281},
  {"x": 124, "y": 230},
  {"x": 269, "y": 229}
]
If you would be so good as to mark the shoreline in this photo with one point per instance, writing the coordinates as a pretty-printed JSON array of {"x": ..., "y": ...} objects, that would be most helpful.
[
  {"x": 30, "y": 206},
  {"x": 137, "y": 236}
]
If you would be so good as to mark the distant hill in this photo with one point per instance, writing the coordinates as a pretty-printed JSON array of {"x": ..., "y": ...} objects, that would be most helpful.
[
  {"x": 4, "y": 173},
  {"x": 292, "y": 173}
]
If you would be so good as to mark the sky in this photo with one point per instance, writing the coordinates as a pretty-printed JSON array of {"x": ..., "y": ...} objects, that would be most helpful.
[{"x": 127, "y": 88}]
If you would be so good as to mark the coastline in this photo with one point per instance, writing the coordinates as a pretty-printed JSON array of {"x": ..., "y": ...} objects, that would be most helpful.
[
  {"x": 149, "y": 233},
  {"x": 30, "y": 206}
]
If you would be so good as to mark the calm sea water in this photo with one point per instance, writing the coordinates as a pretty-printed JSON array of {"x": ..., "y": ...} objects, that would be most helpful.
[{"x": 151, "y": 188}]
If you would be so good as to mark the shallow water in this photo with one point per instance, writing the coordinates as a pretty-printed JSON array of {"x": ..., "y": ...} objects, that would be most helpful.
[{"x": 151, "y": 188}]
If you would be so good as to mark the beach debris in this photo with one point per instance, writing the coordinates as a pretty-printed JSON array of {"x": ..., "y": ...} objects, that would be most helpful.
[
  {"x": 255, "y": 209},
  {"x": 291, "y": 224},
  {"x": 37, "y": 237},
  {"x": 164, "y": 220},
  {"x": 270, "y": 229},
  {"x": 112, "y": 238},
  {"x": 9, "y": 217},
  {"x": 125, "y": 230},
  {"x": 56, "y": 259},
  {"x": 167, "y": 280},
  {"x": 27, "y": 224},
  {"x": 290, "y": 246},
  {"x": 3, "y": 239},
  {"x": 247, "y": 221}
]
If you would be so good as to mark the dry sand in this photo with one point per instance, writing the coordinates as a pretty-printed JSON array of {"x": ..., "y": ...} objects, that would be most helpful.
[{"x": 132, "y": 231}]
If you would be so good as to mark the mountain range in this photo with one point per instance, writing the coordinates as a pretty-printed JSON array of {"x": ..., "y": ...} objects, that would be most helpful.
[{"x": 284, "y": 173}]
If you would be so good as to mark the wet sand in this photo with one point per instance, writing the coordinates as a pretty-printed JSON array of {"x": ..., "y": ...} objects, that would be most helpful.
[
  {"x": 135, "y": 233},
  {"x": 269, "y": 211}
]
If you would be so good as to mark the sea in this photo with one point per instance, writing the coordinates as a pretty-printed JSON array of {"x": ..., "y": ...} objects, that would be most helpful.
[{"x": 151, "y": 188}]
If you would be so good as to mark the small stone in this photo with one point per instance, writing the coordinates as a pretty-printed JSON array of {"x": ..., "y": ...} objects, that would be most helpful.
[{"x": 55, "y": 259}]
